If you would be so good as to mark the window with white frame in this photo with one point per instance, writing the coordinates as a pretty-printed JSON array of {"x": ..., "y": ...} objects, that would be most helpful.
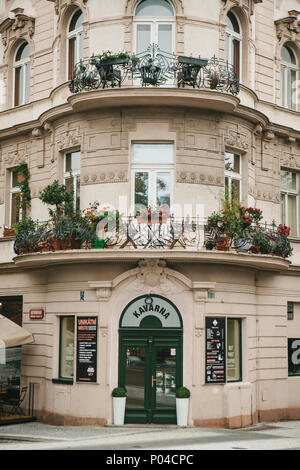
[
  {"x": 288, "y": 79},
  {"x": 21, "y": 75},
  {"x": 233, "y": 175},
  {"x": 234, "y": 42},
  {"x": 66, "y": 350},
  {"x": 152, "y": 175},
  {"x": 289, "y": 188},
  {"x": 15, "y": 208},
  {"x": 154, "y": 24},
  {"x": 72, "y": 175},
  {"x": 74, "y": 42}
]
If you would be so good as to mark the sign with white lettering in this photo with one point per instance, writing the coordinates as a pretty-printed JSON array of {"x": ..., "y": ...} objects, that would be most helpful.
[
  {"x": 86, "y": 349},
  {"x": 215, "y": 350},
  {"x": 151, "y": 306},
  {"x": 294, "y": 356},
  {"x": 36, "y": 314}
]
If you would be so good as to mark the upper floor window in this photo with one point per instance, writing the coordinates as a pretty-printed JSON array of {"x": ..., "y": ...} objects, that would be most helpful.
[
  {"x": 152, "y": 175},
  {"x": 289, "y": 69},
  {"x": 21, "y": 75},
  {"x": 290, "y": 200},
  {"x": 74, "y": 42},
  {"x": 15, "y": 208},
  {"x": 233, "y": 175},
  {"x": 72, "y": 175},
  {"x": 234, "y": 42},
  {"x": 154, "y": 24}
]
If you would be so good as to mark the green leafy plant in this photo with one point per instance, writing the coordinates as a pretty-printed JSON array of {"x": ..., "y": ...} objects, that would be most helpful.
[
  {"x": 119, "y": 392},
  {"x": 210, "y": 244},
  {"x": 183, "y": 392},
  {"x": 57, "y": 195}
]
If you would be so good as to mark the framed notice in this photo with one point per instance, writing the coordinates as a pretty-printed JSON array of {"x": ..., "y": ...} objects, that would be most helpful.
[
  {"x": 86, "y": 357},
  {"x": 294, "y": 356},
  {"x": 215, "y": 364}
]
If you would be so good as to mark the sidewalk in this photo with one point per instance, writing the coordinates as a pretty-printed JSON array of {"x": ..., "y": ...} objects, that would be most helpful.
[{"x": 38, "y": 436}]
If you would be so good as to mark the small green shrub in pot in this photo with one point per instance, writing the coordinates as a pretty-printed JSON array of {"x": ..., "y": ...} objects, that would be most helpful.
[
  {"x": 119, "y": 392},
  {"x": 183, "y": 392}
]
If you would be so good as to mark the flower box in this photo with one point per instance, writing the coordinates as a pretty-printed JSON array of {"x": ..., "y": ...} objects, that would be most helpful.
[
  {"x": 9, "y": 232},
  {"x": 192, "y": 61}
]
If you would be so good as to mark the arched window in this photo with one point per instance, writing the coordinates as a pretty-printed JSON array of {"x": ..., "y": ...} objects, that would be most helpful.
[
  {"x": 74, "y": 42},
  {"x": 234, "y": 42},
  {"x": 154, "y": 23},
  {"x": 21, "y": 75},
  {"x": 289, "y": 68}
]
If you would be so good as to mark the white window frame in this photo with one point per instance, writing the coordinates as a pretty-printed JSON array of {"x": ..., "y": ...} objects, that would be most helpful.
[
  {"x": 154, "y": 26},
  {"x": 294, "y": 193},
  {"x": 78, "y": 35},
  {"x": 230, "y": 36},
  {"x": 285, "y": 67},
  {"x": 23, "y": 76},
  {"x": 13, "y": 190},
  {"x": 232, "y": 175},
  {"x": 152, "y": 170},
  {"x": 75, "y": 175}
]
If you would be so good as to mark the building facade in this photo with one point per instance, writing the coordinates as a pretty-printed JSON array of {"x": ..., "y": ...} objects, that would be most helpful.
[{"x": 202, "y": 97}]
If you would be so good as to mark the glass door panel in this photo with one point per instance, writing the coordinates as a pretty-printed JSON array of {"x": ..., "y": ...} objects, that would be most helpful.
[
  {"x": 165, "y": 37},
  {"x": 135, "y": 376},
  {"x": 165, "y": 380},
  {"x": 163, "y": 189},
  {"x": 143, "y": 37},
  {"x": 141, "y": 189}
]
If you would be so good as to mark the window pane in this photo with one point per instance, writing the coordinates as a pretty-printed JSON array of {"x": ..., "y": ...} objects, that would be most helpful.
[
  {"x": 153, "y": 153},
  {"x": 232, "y": 162},
  {"x": 235, "y": 189},
  {"x": 165, "y": 37},
  {"x": 143, "y": 38},
  {"x": 232, "y": 23},
  {"x": 163, "y": 189},
  {"x": 282, "y": 85},
  {"x": 20, "y": 85},
  {"x": 76, "y": 21},
  {"x": 66, "y": 369},
  {"x": 72, "y": 162},
  {"x": 135, "y": 376},
  {"x": 283, "y": 209},
  {"x": 141, "y": 189},
  {"x": 287, "y": 55},
  {"x": 233, "y": 350},
  {"x": 23, "y": 52},
  {"x": 14, "y": 209},
  {"x": 288, "y": 180},
  {"x": 156, "y": 8},
  {"x": 77, "y": 193},
  {"x": 292, "y": 214},
  {"x": 27, "y": 82}
]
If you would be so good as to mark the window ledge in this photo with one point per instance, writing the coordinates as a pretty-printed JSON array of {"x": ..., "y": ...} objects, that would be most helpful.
[
  {"x": 63, "y": 381},
  {"x": 294, "y": 239}
]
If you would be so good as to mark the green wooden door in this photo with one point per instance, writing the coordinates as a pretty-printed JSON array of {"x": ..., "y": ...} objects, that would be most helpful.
[{"x": 150, "y": 367}]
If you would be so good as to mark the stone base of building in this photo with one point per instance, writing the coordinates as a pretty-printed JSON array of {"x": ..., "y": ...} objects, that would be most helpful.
[{"x": 55, "y": 419}]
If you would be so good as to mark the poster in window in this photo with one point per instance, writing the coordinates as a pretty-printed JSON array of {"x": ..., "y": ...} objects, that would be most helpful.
[
  {"x": 215, "y": 350},
  {"x": 294, "y": 356},
  {"x": 86, "y": 349}
]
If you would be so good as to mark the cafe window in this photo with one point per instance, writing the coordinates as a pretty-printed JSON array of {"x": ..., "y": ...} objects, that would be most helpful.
[
  {"x": 74, "y": 42},
  {"x": 154, "y": 24},
  {"x": 233, "y": 175},
  {"x": 234, "y": 350},
  {"x": 66, "y": 350},
  {"x": 72, "y": 175},
  {"x": 152, "y": 176},
  {"x": 290, "y": 200}
]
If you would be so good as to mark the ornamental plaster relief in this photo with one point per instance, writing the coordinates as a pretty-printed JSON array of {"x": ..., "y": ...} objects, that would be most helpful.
[
  {"x": 196, "y": 177},
  {"x": 61, "y": 5}
]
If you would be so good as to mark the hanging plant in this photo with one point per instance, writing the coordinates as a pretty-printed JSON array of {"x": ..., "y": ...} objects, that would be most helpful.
[{"x": 23, "y": 197}]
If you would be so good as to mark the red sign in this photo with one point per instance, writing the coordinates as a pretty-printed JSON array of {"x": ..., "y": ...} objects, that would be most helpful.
[{"x": 36, "y": 314}]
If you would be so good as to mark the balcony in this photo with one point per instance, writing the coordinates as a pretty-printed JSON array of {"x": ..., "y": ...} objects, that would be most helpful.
[
  {"x": 124, "y": 78},
  {"x": 152, "y": 235}
]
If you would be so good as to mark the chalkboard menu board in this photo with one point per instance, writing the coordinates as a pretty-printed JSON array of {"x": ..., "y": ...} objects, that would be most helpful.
[
  {"x": 215, "y": 350},
  {"x": 86, "y": 349}
]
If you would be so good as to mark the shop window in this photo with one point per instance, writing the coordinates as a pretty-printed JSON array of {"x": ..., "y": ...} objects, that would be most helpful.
[
  {"x": 289, "y": 200},
  {"x": 234, "y": 42},
  {"x": 72, "y": 175},
  {"x": 288, "y": 79},
  {"x": 21, "y": 75},
  {"x": 290, "y": 310},
  {"x": 293, "y": 356},
  {"x": 66, "y": 350},
  {"x": 154, "y": 24},
  {"x": 233, "y": 175},
  {"x": 74, "y": 42},
  {"x": 152, "y": 176},
  {"x": 234, "y": 351}
]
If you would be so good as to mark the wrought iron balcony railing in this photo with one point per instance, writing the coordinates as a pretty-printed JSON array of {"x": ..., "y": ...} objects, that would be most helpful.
[
  {"x": 153, "y": 68},
  {"x": 154, "y": 231}
]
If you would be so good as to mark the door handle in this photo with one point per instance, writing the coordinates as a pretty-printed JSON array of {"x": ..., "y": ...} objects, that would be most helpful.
[{"x": 153, "y": 380}]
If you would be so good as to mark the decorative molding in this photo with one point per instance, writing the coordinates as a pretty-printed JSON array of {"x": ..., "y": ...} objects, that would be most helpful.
[
  {"x": 131, "y": 5},
  {"x": 59, "y": 5},
  {"x": 288, "y": 28},
  {"x": 103, "y": 177},
  {"x": 250, "y": 4},
  {"x": 237, "y": 140},
  {"x": 20, "y": 26},
  {"x": 199, "y": 178}
]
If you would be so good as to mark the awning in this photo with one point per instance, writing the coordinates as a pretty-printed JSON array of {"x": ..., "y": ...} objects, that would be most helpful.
[{"x": 12, "y": 334}]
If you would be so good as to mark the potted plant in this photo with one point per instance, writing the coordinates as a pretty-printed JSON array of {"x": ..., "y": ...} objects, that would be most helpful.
[
  {"x": 182, "y": 405},
  {"x": 261, "y": 242},
  {"x": 67, "y": 232},
  {"x": 119, "y": 395},
  {"x": 210, "y": 244}
]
